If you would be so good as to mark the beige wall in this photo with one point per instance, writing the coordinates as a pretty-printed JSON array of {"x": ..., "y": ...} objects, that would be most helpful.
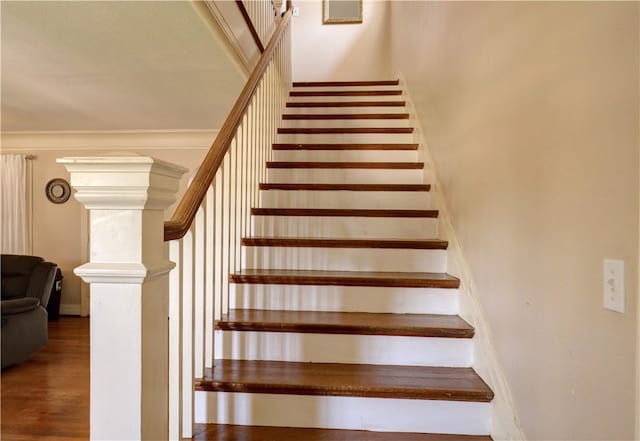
[
  {"x": 57, "y": 234},
  {"x": 341, "y": 51},
  {"x": 531, "y": 113}
]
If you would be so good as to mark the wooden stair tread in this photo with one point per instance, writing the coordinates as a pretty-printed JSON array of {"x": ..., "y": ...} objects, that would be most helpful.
[
  {"x": 224, "y": 432},
  {"x": 345, "y": 165},
  {"x": 345, "y": 278},
  {"x": 291, "y": 146},
  {"x": 355, "y": 380},
  {"x": 346, "y": 104},
  {"x": 355, "y": 323},
  {"x": 345, "y": 92},
  {"x": 312, "y": 242},
  {"x": 345, "y": 83},
  {"x": 330, "y": 116},
  {"x": 345, "y": 187},
  {"x": 341, "y": 130},
  {"x": 346, "y": 212}
]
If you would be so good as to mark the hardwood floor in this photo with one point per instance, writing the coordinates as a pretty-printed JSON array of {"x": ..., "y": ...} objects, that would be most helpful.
[{"x": 47, "y": 397}]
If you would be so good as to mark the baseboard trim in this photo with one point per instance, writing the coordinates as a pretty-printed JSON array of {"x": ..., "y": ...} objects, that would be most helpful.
[
  {"x": 70, "y": 309},
  {"x": 505, "y": 421}
]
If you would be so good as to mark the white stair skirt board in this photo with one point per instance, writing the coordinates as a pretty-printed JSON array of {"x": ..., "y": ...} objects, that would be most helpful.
[
  {"x": 345, "y": 138},
  {"x": 350, "y": 110},
  {"x": 344, "y": 348},
  {"x": 387, "y": 200},
  {"x": 343, "y": 88},
  {"x": 344, "y": 176},
  {"x": 356, "y": 413},
  {"x": 293, "y": 99},
  {"x": 346, "y": 155},
  {"x": 339, "y": 123},
  {"x": 344, "y": 298},
  {"x": 342, "y": 227},
  {"x": 345, "y": 259}
]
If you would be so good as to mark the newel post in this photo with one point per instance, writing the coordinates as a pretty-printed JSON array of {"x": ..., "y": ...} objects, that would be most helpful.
[{"x": 128, "y": 272}]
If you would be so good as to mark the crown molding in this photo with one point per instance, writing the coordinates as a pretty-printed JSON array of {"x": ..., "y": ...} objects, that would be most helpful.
[{"x": 108, "y": 140}]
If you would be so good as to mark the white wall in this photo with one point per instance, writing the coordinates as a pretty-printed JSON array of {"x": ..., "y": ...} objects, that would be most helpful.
[
  {"x": 57, "y": 233},
  {"x": 531, "y": 113},
  {"x": 341, "y": 51}
]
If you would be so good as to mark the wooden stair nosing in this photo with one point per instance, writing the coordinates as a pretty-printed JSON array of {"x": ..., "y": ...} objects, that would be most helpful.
[
  {"x": 346, "y": 165},
  {"x": 346, "y": 323},
  {"x": 341, "y": 116},
  {"x": 344, "y": 212},
  {"x": 346, "y": 278},
  {"x": 227, "y": 432},
  {"x": 345, "y": 187},
  {"x": 341, "y": 146},
  {"x": 332, "y": 379},
  {"x": 297, "y": 104},
  {"x": 297, "y": 242},
  {"x": 345, "y": 83},
  {"x": 341, "y": 130},
  {"x": 316, "y": 93}
]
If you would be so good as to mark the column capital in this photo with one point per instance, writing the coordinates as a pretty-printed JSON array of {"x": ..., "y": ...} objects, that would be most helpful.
[{"x": 123, "y": 181}]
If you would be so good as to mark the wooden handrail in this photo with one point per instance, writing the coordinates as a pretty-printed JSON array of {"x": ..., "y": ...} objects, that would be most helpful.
[
  {"x": 182, "y": 218},
  {"x": 252, "y": 28}
]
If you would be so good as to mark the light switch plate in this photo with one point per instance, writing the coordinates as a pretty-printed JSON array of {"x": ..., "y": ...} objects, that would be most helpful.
[{"x": 613, "y": 279}]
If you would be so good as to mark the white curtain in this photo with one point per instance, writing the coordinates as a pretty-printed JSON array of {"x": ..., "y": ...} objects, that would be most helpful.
[{"x": 13, "y": 190}]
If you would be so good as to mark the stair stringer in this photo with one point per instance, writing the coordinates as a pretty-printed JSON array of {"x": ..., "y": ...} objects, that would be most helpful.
[{"x": 504, "y": 417}]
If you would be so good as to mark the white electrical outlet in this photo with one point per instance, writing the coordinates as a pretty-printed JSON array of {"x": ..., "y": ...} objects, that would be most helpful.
[
  {"x": 296, "y": 11},
  {"x": 614, "y": 285}
]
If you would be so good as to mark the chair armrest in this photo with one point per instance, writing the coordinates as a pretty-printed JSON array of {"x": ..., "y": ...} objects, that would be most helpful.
[
  {"x": 41, "y": 281},
  {"x": 17, "y": 306}
]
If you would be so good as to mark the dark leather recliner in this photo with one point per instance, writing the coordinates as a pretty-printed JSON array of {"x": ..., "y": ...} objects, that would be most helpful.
[{"x": 26, "y": 287}]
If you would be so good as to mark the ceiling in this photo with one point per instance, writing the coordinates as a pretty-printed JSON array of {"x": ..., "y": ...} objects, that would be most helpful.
[{"x": 132, "y": 65}]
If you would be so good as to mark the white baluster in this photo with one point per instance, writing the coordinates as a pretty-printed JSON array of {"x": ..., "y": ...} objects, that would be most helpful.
[
  {"x": 199, "y": 240},
  {"x": 219, "y": 235},
  {"x": 188, "y": 365},
  {"x": 238, "y": 193},
  {"x": 225, "y": 169},
  {"x": 175, "y": 342},
  {"x": 209, "y": 291},
  {"x": 233, "y": 160}
]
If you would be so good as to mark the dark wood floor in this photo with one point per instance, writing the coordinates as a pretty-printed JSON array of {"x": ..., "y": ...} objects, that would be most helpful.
[{"x": 47, "y": 398}]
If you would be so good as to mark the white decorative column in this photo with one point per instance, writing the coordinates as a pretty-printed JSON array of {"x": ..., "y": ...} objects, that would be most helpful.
[{"x": 128, "y": 272}]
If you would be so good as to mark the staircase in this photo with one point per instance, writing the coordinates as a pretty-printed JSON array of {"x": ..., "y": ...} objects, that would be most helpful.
[{"x": 343, "y": 320}]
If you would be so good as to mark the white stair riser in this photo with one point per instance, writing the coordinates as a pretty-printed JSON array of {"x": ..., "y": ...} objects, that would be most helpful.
[
  {"x": 309, "y": 123},
  {"x": 344, "y": 298},
  {"x": 355, "y": 413},
  {"x": 345, "y": 259},
  {"x": 344, "y": 88},
  {"x": 389, "y": 200},
  {"x": 344, "y": 348},
  {"x": 345, "y": 176},
  {"x": 345, "y": 138},
  {"x": 350, "y": 110},
  {"x": 346, "y": 155},
  {"x": 339, "y": 227},
  {"x": 293, "y": 99}
]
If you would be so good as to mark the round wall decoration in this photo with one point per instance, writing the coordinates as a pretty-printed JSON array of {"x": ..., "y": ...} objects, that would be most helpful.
[{"x": 58, "y": 191}]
